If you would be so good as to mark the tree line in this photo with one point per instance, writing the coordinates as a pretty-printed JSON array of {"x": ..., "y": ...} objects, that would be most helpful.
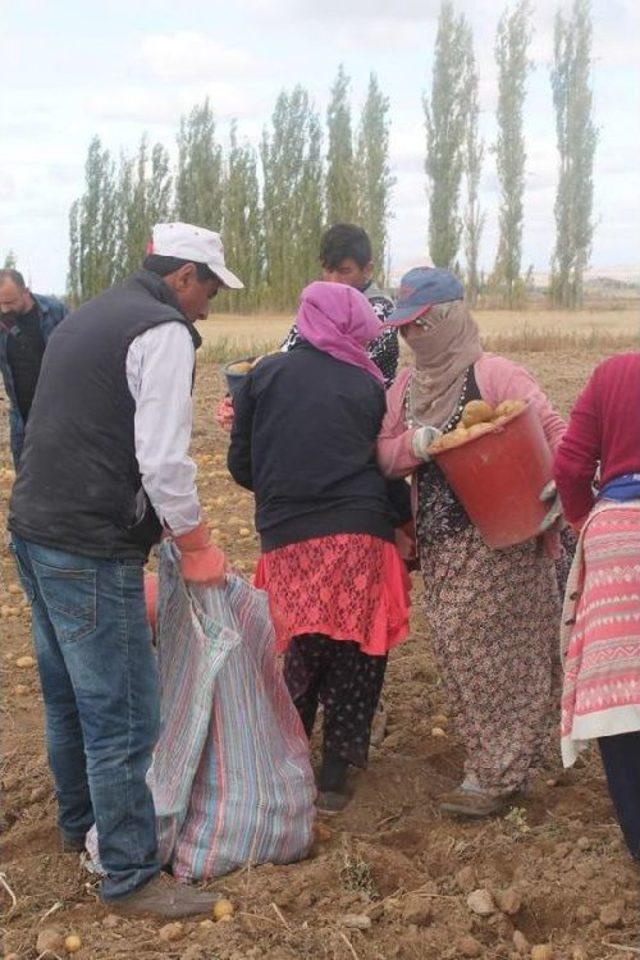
[{"x": 272, "y": 202}]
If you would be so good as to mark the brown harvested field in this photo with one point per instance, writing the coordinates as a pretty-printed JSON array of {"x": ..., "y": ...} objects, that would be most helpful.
[
  {"x": 391, "y": 856},
  {"x": 591, "y": 322}
]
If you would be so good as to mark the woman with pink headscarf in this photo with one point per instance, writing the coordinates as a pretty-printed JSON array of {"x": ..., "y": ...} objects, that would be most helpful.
[{"x": 303, "y": 440}]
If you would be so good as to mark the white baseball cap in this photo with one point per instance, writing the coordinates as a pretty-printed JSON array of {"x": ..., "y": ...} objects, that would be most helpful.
[{"x": 186, "y": 242}]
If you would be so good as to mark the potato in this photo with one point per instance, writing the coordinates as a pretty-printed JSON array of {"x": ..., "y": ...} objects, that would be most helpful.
[
  {"x": 241, "y": 367},
  {"x": 509, "y": 408},
  {"x": 477, "y": 411},
  {"x": 72, "y": 943},
  {"x": 478, "y": 429},
  {"x": 223, "y": 909}
]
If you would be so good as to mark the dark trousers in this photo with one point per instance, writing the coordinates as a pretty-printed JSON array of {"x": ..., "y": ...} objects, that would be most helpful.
[
  {"x": 346, "y": 682},
  {"x": 100, "y": 690},
  {"x": 621, "y": 760}
]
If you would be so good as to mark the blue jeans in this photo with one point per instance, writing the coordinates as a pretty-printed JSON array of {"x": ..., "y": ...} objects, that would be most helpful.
[{"x": 100, "y": 687}]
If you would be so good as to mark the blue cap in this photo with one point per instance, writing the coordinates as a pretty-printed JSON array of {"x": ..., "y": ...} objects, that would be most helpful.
[{"x": 420, "y": 288}]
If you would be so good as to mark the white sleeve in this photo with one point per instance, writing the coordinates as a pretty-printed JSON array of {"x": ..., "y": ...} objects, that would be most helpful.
[{"x": 160, "y": 374}]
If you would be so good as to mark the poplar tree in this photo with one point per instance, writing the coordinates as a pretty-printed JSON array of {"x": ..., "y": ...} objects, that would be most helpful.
[
  {"x": 242, "y": 224},
  {"x": 474, "y": 218},
  {"x": 291, "y": 159},
  {"x": 373, "y": 171},
  {"x": 199, "y": 176},
  {"x": 74, "y": 283},
  {"x": 93, "y": 223},
  {"x": 577, "y": 139},
  {"x": 512, "y": 43},
  {"x": 342, "y": 202},
  {"x": 446, "y": 122},
  {"x": 159, "y": 186},
  {"x": 143, "y": 199}
]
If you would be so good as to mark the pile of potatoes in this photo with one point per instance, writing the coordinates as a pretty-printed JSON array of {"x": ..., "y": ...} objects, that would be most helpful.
[{"x": 478, "y": 418}]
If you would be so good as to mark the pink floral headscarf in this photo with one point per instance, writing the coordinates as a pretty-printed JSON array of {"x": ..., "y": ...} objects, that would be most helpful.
[{"x": 338, "y": 320}]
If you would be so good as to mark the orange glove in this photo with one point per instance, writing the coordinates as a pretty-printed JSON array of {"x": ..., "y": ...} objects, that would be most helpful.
[
  {"x": 151, "y": 598},
  {"x": 224, "y": 414},
  {"x": 200, "y": 560}
]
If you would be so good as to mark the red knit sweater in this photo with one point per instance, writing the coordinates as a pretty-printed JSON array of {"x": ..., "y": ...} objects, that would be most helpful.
[{"x": 604, "y": 427}]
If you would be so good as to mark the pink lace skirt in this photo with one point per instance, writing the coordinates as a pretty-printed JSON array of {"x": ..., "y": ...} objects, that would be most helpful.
[{"x": 347, "y": 586}]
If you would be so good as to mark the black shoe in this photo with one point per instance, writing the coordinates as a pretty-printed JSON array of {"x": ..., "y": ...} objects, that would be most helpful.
[
  {"x": 333, "y": 795},
  {"x": 71, "y": 844},
  {"x": 333, "y": 774},
  {"x": 329, "y": 802}
]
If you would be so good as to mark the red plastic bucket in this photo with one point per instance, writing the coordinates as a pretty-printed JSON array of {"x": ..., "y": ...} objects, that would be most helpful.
[{"x": 498, "y": 478}]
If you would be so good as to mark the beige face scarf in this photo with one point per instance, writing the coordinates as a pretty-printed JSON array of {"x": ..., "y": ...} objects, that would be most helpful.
[{"x": 444, "y": 348}]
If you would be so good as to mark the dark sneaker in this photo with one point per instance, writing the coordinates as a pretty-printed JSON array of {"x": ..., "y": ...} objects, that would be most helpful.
[
  {"x": 330, "y": 802},
  {"x": 164, "y": 897},
  {"x": 71, "y": 844},
  {"x": 472, "y": 804}
]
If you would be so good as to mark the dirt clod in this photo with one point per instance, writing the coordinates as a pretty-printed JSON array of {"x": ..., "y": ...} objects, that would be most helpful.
[
  {"x": 418, "y": 911},
  {"x": 171, "y": 932},
  {"x": 466, "y": 879},
  {"x": 469, "y": 947},
  {"x": 611, "y": 914},
  {"x": 509, "y": 901},
  {"x": 50, "y": 940},
  {"x": 356, "y": 921},
  {"x": 481, "y": 902},
  {"x": 194, "y": 952},
  {"x": 520, "y": 943}
]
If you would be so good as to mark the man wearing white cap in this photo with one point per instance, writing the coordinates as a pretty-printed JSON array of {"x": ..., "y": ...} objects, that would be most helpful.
[{"x": 104, "y": 470}]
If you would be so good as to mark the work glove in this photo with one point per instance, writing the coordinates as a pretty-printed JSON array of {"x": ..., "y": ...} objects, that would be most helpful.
[
  {"x": 151, "y": 598},
  {"x": 422, "y": 440},
  {"x": 551, "y": 497},
  {"x": 224, "y": 413},
  {"x": 201, "y": 561}
]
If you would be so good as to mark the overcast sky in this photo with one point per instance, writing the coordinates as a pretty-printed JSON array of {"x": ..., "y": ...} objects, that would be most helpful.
[{"x": 73, "y": 69}]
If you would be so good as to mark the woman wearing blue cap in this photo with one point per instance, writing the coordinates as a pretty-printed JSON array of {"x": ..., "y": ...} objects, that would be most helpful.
[{"x": 493, "y": 615}]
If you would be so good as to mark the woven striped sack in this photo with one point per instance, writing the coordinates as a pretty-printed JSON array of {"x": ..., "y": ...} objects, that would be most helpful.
[{"x": 231, "y": 775}]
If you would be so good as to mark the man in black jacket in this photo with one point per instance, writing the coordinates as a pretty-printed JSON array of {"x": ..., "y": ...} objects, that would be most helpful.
[{"x": 105, "y": 467}]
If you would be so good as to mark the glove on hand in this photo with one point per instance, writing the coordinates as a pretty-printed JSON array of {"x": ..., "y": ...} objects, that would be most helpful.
[
  {"x": 422, "y": 440},
  {"x": 200, "y": 560},
  {"x": 550, "y": 495}
]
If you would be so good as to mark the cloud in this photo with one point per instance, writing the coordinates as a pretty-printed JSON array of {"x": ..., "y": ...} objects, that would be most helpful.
[
  {"x": 144, "y": 105},
  {"x": 188, "y": 56},
  {"x": 359, "y": 10}
]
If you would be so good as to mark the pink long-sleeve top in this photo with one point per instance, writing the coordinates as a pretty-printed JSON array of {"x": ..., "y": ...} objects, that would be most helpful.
[
  {"x": 497, "y": 378},
  {"x": 604, "y": 428}
]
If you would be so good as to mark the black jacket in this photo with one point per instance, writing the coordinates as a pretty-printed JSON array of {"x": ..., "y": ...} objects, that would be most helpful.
[
  {"x": 78, "y": 486},
  {"x": 303, "y": 440}
]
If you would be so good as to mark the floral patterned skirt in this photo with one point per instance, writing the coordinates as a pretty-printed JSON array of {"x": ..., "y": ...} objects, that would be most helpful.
[
  {"x": 347, "y": 586},
  {"x": 494, "y": 618}
]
